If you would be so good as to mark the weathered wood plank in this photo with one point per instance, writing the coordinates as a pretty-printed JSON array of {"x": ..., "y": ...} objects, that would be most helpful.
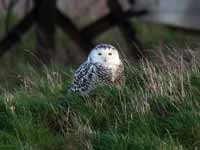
[{"x": 104, "y": 23}]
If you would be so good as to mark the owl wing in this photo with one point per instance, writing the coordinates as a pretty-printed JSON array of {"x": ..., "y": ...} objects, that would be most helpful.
[{"x": 84, "y": 79}]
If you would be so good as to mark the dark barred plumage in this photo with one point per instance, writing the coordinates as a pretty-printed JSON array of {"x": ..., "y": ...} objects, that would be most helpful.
[
  {"x": 84, "y": 79},
  {"x": 88, "y": 75},
  {"x": 104, "y": 46}
]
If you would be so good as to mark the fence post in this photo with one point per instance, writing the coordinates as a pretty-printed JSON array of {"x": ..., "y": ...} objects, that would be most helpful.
[{"x": 45, "y": 30}]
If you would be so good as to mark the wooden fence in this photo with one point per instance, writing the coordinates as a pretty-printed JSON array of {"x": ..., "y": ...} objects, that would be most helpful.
[{"x": 46, "y": 16}]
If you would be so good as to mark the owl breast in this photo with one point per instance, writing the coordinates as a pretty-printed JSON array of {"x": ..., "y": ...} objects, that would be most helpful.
[{"x": 111, "y": 74}]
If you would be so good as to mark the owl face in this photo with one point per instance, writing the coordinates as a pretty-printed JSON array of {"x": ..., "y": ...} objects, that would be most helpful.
[{"x": 104, "y": 54}]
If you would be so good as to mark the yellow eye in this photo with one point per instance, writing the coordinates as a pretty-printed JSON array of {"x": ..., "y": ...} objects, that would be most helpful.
[
  {"x": 99, "y": 54},
  {"x": 109, "y": 53}
]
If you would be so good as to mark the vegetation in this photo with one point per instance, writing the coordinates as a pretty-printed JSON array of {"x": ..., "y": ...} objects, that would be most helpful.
[{"x": 158, "y": 108}]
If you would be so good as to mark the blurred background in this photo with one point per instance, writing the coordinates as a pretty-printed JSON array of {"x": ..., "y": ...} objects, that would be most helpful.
[{"x": 62, "y": 32}]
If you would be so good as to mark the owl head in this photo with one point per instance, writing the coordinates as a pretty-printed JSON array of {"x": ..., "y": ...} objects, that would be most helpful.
[{"x": 104, "y": 54}]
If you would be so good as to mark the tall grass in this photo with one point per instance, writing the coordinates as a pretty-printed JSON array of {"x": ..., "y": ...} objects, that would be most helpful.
[{"x": 158, "y": 108}]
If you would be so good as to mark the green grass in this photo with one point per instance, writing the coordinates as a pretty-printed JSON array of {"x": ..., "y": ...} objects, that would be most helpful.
[{"x": 158, "y": 108}]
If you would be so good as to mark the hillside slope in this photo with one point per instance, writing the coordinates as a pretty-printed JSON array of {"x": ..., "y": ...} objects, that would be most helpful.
[{"x": 158, "y": 108}]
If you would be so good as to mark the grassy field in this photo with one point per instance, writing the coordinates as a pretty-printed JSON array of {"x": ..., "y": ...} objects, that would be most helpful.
[{"x": 158, "y": 109}]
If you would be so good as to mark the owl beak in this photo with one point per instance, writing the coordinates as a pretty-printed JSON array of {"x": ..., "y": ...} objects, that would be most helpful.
[{"x": 105, "y": 60}]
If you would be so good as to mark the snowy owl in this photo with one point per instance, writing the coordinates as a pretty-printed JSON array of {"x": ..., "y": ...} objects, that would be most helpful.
[{"x": 103, "y": 66}]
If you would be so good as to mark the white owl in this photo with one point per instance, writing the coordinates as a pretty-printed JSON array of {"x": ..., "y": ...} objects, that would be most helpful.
[{"x": 103, "y": 65}]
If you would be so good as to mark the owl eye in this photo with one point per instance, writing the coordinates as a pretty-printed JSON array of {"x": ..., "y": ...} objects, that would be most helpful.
[
  {"x": 99, "y": 54},
  {"x": 109, "y": 53}
]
